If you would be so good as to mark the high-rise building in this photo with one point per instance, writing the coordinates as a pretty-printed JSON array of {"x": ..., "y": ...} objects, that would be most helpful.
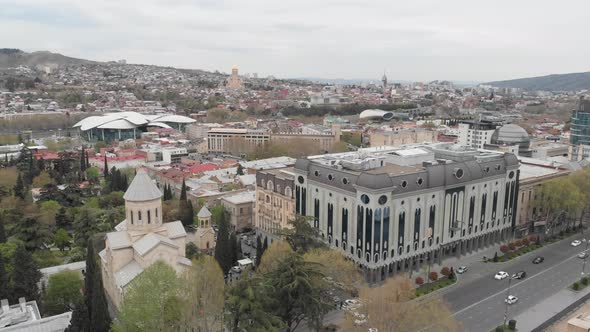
[
  {"x": 476, "y": 134},
  {"x": 580, "y": 131},
  {"x": 392, "y": 209}
]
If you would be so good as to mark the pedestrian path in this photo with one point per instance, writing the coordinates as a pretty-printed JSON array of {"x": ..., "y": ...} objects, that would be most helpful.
[{"x": 534, "y": 316}]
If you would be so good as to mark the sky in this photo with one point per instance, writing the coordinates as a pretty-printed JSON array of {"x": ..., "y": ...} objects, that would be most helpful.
[{"x": 417, "y": 40}]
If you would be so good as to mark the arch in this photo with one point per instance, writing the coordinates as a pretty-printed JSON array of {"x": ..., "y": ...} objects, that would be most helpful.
[
  {"x": 131, "y": 213},
  {"x": 149, "y": 216},
  {"x": 139, "y": 215}
]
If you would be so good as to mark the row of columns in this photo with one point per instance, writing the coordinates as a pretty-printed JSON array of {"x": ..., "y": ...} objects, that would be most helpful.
[{"x": 414, "y": 263}]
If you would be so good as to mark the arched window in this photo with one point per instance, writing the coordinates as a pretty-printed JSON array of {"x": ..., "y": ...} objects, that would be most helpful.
[
  {"x": 139, "y": 215},
  {"x": 288, "y": 191},
  {"x": 269, "y": 185},
  {"x": 149, "y": 214},
  {"x": 156, "y": 212},
  {"x": 131, "y": 213}
]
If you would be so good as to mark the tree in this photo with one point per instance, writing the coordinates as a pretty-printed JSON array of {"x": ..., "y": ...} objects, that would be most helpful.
[
  {"x": 236, "y": 248},
  {"x": 2, "y": 230},
  {"x": 92, "y": 174},
  {"x": 152, "y": 301},
  {"x": 223, "y": 246},
  {"x": 62, "y": 239},
  {"x": 106, "y": 167},
  {"x": 83, "y": 165},
  {"x": 259, "y": 251},
  {"x": 202, "y": 296},
  {"x": 4, "y": 280},
  {"x": 94, "y": 297},
  {"x": 419, "y": 281},
  {"x": 42, "y": 180},
  {"x": 49, "y": 210},
  {"x": 240, "y": 170},
  {"x": 80, "y": 321},
  {"x": 433, "y": 276},
  {"x": 63, "y": 292},
  {"x": 19, "y": 187},
  {"x": 62, "y": 219},
  {"x": 248, "y": 306},
  {"x": 183, "y": 191},
  {"x": 334, "y": 265},
  {"x": 297, "y": 291},
  {"x": 302, "y": 236},
  {"x": 277, "y": 251},
  {"x": 561, "y": 200},
  {"x": 25, "y": 275},
  {"x": 445, "y": 271},
  {"x": 33, "y": 233},
  {"x": 389, "y": 308}
]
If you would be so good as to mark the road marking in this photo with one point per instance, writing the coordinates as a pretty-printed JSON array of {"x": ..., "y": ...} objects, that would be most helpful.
[{"x": 504, "y": 290}]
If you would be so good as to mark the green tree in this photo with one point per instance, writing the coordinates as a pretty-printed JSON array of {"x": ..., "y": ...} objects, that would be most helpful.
[
  {"x": 2, "y": 230},
  {"x": 4, "y": 280},
  {"x": 259, "y": 251},
  {"x": 94, "y": 297},
  {"x": 33, "y": 233},
  {"x": 203, "y": 300},
  {"x": 49, "y": 210},
  {"x": 82, "y": 161},
  {"x": 62, "y": 239},
  {"x": 62, "y": 219},
  {"x": 105, "y": 171},
  {"x": 80, "y": 321},
  {"x": 152, "y": 302},
  {"x": 302, "y": 236},
  {"x": 25, "y": 275},
  {"x": 92, "y": 174},
  {"x": 248, "y": 307},
  {"x": 183, "y": 191},
  {"x": 223, "y": 245},
  {"x": 19, "y": 187},
  {"x": 297, "y": 290},
  {"x": 64, "y": 290}
]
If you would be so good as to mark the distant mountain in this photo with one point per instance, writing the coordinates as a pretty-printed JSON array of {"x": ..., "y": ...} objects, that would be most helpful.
[
  {"x": 11, "y": 57},
  {"x": 555, "y": 82}
]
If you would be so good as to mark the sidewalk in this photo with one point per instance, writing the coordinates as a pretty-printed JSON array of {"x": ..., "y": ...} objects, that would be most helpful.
[{"x": 551, "y": 306}]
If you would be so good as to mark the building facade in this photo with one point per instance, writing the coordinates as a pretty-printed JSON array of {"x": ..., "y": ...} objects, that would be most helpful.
[
  {"x": 240, "y": 207},
  {"x": 402, "y": 137},
  {"x": 580, "y": 131},
  {"x": 275, "y": 200},
  {"x": 392, "y": 209},
  {"x": 476, "y": 134},
  {"x": 141, "y": 239},
  {"x": 234, "y": 81}
]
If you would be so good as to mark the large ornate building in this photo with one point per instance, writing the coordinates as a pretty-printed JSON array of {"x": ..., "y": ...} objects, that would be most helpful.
[
  {"x": 391, "y": 209},
  {"x": 275, "y": 200},
  {"x": 141, "y": 239}
]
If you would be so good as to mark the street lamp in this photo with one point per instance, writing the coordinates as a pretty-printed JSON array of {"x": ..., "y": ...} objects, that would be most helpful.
[{"x": 506, "y": 300}]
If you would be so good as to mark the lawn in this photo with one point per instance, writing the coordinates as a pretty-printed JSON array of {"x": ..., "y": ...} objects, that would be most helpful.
[{"x": 435, "y": 285}]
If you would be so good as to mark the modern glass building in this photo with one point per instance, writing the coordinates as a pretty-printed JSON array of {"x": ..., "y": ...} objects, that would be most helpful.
[{"x": 580, "y": 127}]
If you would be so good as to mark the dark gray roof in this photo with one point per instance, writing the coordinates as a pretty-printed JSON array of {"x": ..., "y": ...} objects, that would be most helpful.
[
  {"x": 142, "y": 188},
  {"x": 374, "y": 181},
  {"x": 511, "y": 134}
]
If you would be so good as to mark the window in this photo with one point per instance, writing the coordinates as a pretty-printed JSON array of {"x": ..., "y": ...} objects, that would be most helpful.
[
  {"x": 131, "y": 213},
  {"x": 365, "y": 199},
  {"x": 300, "y": 179},
  {"x": 149, "y": 214},
  {"x": 316, "y": 173},
  {"x": 382, "y": 199},
  {"x": 344, "y": 180},
  {"x": 330, "y": 177},
  {"x": 404, "y": 183},
  {"x": 420, "y": 181},
  {"x": 156, "y": 212},
  {"x": 139, "y": 215},
  {"x": 458, "y": 173}
]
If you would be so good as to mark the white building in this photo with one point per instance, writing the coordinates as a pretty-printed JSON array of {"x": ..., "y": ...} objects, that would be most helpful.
[{"x": 476, "y": 134}]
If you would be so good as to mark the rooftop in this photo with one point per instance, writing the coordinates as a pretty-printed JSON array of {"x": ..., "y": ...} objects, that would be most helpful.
[
  {"x": 240, "y": 198},
  {"x": 142, "y": 188}
]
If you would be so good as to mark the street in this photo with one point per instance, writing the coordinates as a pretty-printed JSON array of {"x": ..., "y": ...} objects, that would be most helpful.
[{"x": 478, "y": 299}]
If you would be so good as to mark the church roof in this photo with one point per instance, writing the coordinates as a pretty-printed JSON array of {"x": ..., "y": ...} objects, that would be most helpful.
[
  {"x": 128, "y": 273},
  {"x": 204, "y": 213},
  {"x": 142, "y": 188},
  {"x": 175, "y": 229},
  {"x": 150, "y": 241},
  {"x": 118, "y": 240}
]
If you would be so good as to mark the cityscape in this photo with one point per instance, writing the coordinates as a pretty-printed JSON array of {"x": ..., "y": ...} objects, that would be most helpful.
[{"x": 294, "y": 169}]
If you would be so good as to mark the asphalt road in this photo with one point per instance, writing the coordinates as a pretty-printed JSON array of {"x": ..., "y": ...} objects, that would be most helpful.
[{"x": 478, "y": 299}]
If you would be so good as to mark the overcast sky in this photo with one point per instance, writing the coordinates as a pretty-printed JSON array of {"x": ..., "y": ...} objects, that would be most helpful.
[{"x": 461, "y": 40}]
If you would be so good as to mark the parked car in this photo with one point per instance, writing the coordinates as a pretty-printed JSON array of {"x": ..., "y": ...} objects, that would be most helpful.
[
  {"x": 576, "y": 243},
  {"x": 511, "y": 299},
  {"x": 583, "y": 255},
  {"x": 538, "y": 260},
  {"x": 519, "y": 275},
  {"x": 462, "y": 269},
  {"x": 501, "y": 275},
  {"x": 373, "y": 329}
]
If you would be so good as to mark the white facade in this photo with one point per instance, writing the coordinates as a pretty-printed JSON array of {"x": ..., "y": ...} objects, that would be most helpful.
[{"x": 472, "y": 137}]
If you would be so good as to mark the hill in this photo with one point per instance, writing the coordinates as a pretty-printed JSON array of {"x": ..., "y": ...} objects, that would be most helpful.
[
  {"x": 10, "y": 57},
  {"x": 555, "y": 82}
]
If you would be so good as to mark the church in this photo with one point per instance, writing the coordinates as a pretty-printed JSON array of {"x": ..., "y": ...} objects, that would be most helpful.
[{"x": 141, "y": 239}]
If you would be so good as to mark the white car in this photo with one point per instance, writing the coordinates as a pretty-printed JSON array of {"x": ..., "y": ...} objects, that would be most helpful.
[
  {"x": 501, "y": 275},
  {"x": 511, "y": 299},
  {"x": 461, "y": 269},
  {"x": 576, "y": 243},
  {"x": 583, "y": 255},
  {"x": 373, "y": 329}
]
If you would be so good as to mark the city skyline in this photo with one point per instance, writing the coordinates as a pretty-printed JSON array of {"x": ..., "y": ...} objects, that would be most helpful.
[{"x": 413, "y": 42}]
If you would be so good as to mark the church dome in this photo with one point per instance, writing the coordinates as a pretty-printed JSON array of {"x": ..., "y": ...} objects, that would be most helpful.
[
  {"x": 511, "y": 134},
  {"x": 142, "y": 188}
]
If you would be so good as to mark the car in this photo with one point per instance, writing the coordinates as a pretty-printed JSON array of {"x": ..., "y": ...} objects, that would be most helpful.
[
  {"x": 236, "y": 269},
  {"x": 351, "y": 302},
  {"x": 373, "y": 329},
  {"x": 583, "y": 255},
  {"x": 462, "y": 269},
  {"x": 576, "y": 243},
  {"x": 360, "y": 322},
  {"x": 501, "y": 275},
  {"x": 511, "y": 299},
  {"x": 519, "y": 275},
  {"x": 538, "y": 260}
]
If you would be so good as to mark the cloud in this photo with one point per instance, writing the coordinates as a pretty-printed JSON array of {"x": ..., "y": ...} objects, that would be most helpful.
[{"x": 413, "y": 40}]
